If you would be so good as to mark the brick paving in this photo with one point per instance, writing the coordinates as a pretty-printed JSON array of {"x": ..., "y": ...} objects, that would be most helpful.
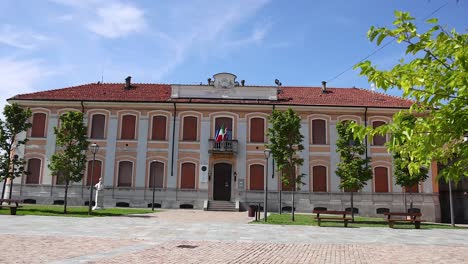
[{"x": 216, "y": 237}]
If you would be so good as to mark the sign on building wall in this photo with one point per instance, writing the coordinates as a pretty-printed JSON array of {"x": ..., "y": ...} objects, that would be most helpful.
[{"x": 240, "y": 184}]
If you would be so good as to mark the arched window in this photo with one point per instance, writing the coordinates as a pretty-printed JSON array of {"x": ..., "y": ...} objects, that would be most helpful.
[
  {"x": 319, "y": 180},
  {"x": 187, "y": 179},
  {"x": 319, "y": 132},
  {"x": 96, "y": 173},
  {"x": 156, "y": 175},
  {"x": 38, "y": 125},
  {"x": 381, "y": 179},
  {"x": 257, "y": 130},
  {"x": 290, "y": 185},
  {"x": 190, "y": 132},
  {"x": 128, "y": 127},
  {"x": 125, "y": 174},
  {"x": 98, "y": 125},
  {"x": 378, "y": 140},
  {"x": 257, "y": 176},
  {"x": 226, "y": 123},
  {"x": 34, "y": 171},
  {"x": 158, "y": 131}
]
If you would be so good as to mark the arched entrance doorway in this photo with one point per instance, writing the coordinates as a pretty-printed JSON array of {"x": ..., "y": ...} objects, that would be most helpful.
[{"x": 222, "y": 182}]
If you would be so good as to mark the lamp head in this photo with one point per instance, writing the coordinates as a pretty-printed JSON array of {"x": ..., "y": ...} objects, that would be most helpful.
[
  {"x": 94, "y": 148},
  {"x": 267, "y": 153}
]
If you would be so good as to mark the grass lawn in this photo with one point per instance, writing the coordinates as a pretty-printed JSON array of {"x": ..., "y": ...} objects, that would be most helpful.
[
  {"x": 73, "y": 211},
  {"x": 309, "y": 219}
]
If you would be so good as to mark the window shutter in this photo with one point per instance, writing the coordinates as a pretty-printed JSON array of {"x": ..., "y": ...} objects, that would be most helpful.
[
  {"x": 187, "y": 180},
  {"x": 257, "y": 176},
  {"x": 190, "y": 128},
  {"x": 378, "y": 140},
  {"x": 156, "y": 174},
  {"x": 319, "y": 132},
  {"x": 128, "y": 127},
  {"x": 159, "y": 128},
  {"x": 97, "y": 126},
  {"x": 38, "y": 125},
  {"x": 381, "y": 179},
  {"x": 319, "y": 178},
  {"x": 257, "y": 130},
  {"x": 125, "y": 174},
  {"x": 34, "y": 169}
]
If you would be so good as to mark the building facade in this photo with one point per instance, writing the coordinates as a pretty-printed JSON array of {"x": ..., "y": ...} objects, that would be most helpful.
[{"x": 163, "y": 137}]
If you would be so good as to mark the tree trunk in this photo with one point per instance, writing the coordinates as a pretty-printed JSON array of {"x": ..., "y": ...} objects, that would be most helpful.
[
  {"x": 11, "y": 188},
  {"x": 280, "y": 202},
  {"x": 411, "y": 200},
  {"x": 4, "y": 187},
  {"x": 293, "y": 205},
  {"x": 352, "y": 206},
  {"x": 65, "y": 198},
  {"x": 404, "y": 200}
]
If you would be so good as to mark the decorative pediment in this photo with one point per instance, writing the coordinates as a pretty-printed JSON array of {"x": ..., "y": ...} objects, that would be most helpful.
[{"x": 225, "y": 86}]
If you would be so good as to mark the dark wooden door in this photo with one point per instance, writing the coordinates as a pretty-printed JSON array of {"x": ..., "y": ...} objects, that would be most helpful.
[{"x": 222, "y": 182}]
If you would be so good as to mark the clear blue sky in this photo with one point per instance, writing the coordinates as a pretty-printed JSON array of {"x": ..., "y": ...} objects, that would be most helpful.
[{"x": 51, "y": 44}]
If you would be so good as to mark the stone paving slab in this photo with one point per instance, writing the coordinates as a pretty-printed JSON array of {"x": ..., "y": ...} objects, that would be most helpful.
[{"x": 217, "y": 238}]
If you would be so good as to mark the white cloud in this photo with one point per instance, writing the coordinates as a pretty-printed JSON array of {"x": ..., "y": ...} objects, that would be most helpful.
[
  {"x": 20, "y": 76},
  {"x": 109, "y": 19},
  {"x": 17, "y": 38},
  {"x": 118, "y": 20},
  {"x": 256, "y": 37}
]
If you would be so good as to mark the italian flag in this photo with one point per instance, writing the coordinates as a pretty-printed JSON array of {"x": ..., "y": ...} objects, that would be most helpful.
[{"x": 221, "y": 134}]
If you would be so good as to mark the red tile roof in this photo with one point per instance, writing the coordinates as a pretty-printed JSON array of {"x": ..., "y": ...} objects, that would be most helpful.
[{"x": 115, "y": 92}]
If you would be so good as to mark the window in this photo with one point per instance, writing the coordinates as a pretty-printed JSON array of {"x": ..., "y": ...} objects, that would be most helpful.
[
  {"x": 226, "y": 123},
  {"x": 190, "y": 128},
  {"x": 125, "y": 174},
  {"x": 159, "y": 128},
  {"x": 96, "y": 173},
  {"x": 381, "y": 179},
  {"x": 187, "y": 180},
  {"x": 413, "y": 189},
  {"x": 319, "y": 132},
  {"x": 290, "y": 185},
  {"x": 319, "y": 181},
  {"x": 156, "y": 176},
  {"x": 378, "y": 140},
  {"x": 38, "y": 125},
  {"x": 257, "y": 176},
  {"x": 98, "y": 124},
  {"x": 34, "y": 171},
  {"x": 257, "y": 130},
  {"x": 128, "y": 127}
]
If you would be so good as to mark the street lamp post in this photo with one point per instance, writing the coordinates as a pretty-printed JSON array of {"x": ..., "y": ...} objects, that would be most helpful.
[
  {"x": 267, "y": 153},
  {"x": 154, "y": 182},
  {"x": 94, "y": 150}
]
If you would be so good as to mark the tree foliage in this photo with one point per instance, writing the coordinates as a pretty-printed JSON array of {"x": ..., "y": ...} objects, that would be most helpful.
[
  {"x": 69, "y": 161},
  {"x": 285, "y": 143},
  {"x": 403, "y": 177},
  {"x": 352, "y": 169},
  {"x": 436, "y": 77},
  {"x": 16, "y": 122}
]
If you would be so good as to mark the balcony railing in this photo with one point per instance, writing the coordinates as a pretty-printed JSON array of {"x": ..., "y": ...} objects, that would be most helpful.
[{"x": 226, "y": 146}]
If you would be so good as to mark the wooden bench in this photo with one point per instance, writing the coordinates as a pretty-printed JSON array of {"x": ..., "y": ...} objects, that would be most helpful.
[
  {"x": 414, "y": 218},
  {"x": 13, "y": 204},
  {"x": 343, "y": 215}
]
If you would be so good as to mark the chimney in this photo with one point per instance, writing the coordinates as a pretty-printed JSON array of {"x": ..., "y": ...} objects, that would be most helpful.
[
  {"x": 128, "y": 82},
  {"x": 324, "y": 86}
]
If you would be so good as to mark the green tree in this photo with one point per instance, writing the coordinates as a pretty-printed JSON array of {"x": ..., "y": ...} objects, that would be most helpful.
[
  {"x": 16, "y": 122},
  {"x": 352, "y": 169},
  {"x": 70, "y": 160},
  {"x": 403, "y": 177},
  {"x": 285, "y": 143},
  {"x": 435, "y": 76}
]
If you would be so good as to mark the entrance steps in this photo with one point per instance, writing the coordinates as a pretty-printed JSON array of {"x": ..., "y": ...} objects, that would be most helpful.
[{"x": 226, "y": 206}]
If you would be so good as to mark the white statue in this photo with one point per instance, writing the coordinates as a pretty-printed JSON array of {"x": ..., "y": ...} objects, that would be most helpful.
[{"x": 99, "y": 195}]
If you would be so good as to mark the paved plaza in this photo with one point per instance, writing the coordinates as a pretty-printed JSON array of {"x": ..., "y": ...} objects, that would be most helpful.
[{"x": 191, "y": 236}]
